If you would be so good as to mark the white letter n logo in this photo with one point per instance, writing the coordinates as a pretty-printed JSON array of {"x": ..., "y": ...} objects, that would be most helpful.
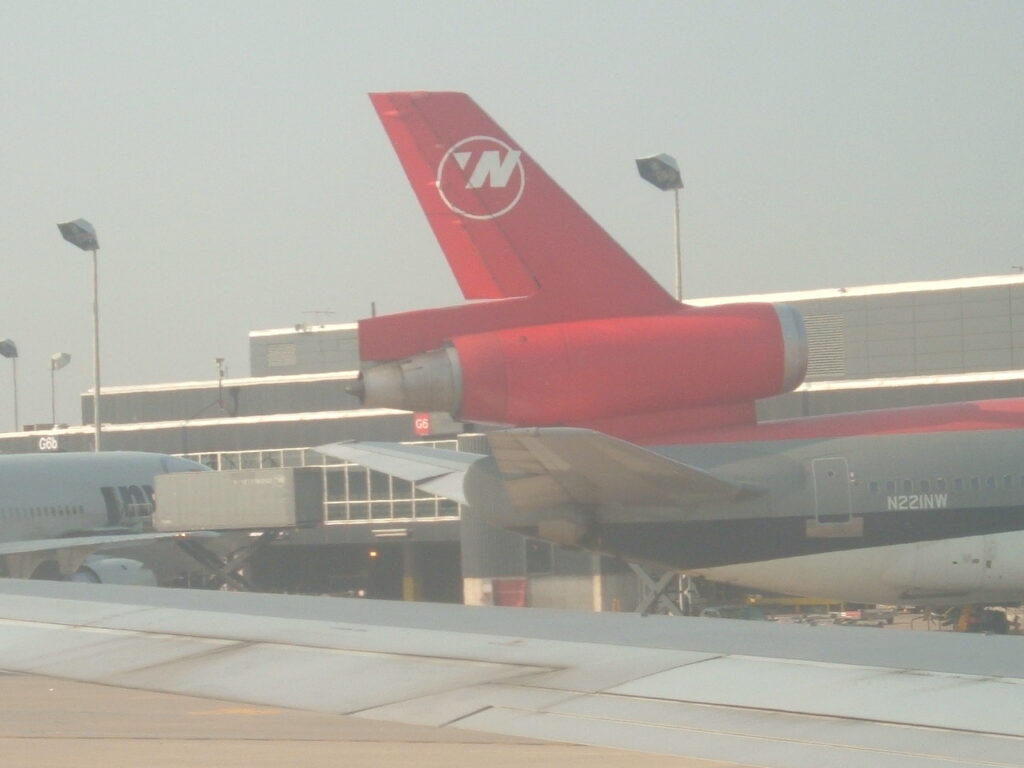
[
  {"x": 489, "y": 167},
  {"x": 481, "y": 177}
]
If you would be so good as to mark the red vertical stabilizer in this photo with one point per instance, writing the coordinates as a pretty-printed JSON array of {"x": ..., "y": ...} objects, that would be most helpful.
[
  {"x": 506, "y": 229},
  {"x": 570, "y": 330}
]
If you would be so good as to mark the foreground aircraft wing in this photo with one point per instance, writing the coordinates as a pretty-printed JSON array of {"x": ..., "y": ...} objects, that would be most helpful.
[
  {"x": 550, "y": 467},
  {"x": 749, "y": 693}
]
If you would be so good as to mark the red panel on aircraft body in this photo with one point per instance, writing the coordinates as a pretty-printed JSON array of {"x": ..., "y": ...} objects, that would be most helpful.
[
  {"x": 393, "y": 337},
  {"x": 652, "y": 427},
  {"x": 568, "y": 373},
  {"x": 956, "y": 417}
]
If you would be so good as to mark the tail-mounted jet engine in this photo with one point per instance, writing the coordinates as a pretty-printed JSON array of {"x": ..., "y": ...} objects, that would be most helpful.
[
  {"x": 587, "y": 370},
  {"x": 99, "y": 569}
]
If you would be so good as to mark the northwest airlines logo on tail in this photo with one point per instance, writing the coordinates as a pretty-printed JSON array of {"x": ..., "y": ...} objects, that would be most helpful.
[{"x": 481, "y": 177}]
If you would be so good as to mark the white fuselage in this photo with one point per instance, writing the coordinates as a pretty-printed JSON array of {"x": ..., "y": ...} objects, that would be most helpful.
[
  {"x": 45, "y": 496},
  {"x": 970, "y": 570}
]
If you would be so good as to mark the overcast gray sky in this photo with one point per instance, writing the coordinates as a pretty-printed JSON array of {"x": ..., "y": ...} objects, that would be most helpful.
[{"x": 238, "y": 178}]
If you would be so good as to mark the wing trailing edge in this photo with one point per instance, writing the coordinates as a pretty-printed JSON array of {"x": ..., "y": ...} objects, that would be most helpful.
[
  {"x": 533, "y": 470},
  {"x": 580, "y": 466},
  {"x": 742, "y": 692},
  {"x": 434, "y": 470}
]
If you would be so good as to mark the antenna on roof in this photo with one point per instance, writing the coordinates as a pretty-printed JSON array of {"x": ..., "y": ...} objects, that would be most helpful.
[{"x": 319, "y": 315}]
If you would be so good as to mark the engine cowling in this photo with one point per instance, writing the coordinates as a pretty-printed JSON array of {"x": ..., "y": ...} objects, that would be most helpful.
[
  {"x": 99, "y": 569},
  {"x": 575, "y": 372},
  {"x": 115, "y": 570}
]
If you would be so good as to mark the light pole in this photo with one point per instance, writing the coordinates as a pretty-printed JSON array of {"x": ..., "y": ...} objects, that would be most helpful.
[
  {"x": 82, "y": 234},
  {"x": 663, "y": 172},
  {"x": 9, "y": 349},
  {"x": 221, "y": 370},
  {"x": 57, "y": 361}
]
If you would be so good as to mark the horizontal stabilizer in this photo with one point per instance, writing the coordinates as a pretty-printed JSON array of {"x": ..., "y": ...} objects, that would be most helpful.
[
  {"x": 560, "y": 466},
  {"x": 435, "y": 470}
]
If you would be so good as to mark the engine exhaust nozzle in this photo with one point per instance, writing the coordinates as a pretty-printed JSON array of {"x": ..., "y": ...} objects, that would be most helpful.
[
  {"x": 357, "y": 389},
  {"x": 430, "y": 381}
]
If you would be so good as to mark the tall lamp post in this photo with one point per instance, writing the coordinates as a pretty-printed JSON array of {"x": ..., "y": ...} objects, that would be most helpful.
[
  {"x": 57, "y": 361},
  {"x": 82, "y": 234},
  {"x": 663, "y": 172},
  {"x": 9, "y": 349}
]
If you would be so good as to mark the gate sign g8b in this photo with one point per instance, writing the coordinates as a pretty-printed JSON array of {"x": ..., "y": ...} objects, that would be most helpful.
[{"x": 49, "y": 443}]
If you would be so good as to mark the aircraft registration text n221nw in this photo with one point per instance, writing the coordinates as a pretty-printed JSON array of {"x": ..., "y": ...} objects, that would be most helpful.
[
  {"x": 662, "y": 444},
  {"x": 630, "y": 417}
]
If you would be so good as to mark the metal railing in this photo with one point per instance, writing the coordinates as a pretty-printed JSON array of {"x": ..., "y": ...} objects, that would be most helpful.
[{"x": 352, "y": 494}]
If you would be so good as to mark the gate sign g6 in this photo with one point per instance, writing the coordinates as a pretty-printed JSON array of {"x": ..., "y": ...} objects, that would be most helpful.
[{"x": 421, "y": 423}]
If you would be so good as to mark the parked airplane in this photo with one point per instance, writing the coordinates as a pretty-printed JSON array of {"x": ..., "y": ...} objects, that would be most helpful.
[
  {"x": 743, "y": 693},
  {"x": 57, "y": 509},
  {"x": 643, "y": 440}
]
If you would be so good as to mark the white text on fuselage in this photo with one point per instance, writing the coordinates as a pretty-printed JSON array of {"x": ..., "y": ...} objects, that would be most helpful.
[{"x": 918, "y": 501}]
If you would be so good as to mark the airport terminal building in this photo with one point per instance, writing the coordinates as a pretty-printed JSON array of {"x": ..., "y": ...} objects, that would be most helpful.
[{"x": 870, "y": 347}]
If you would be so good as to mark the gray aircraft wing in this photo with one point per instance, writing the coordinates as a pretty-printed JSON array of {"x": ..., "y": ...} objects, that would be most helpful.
[
  {"x": 18, "y": 555},
  {"x": 750, "y": 693},
  {"x": 564, "y": 465},
  {"x": 549, "y": 468},
  {"x": 105, "y": 541}
]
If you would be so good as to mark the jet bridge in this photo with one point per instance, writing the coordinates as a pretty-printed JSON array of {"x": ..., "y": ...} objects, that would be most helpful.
[{"x": 266, "y": 503}]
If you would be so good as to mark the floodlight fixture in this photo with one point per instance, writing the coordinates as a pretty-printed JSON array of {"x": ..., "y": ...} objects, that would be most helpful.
[
  {"x": 82, "y": 234},
  {"x": 10, "y": 350},
  {"x": 57, "y": 361},
  {"x": 663, "y": 172},
  {"x": 660, "y": 170}
]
